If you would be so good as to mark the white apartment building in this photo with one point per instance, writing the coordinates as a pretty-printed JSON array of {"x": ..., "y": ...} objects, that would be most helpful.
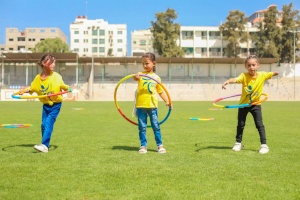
[
  {"x": 97, "y": 38},
  {"x": 207, "y": 41},
  {"x": 199, "y": 42},
  {"x": 141, "y": 42},
  {"x": 20, "y": 41}
]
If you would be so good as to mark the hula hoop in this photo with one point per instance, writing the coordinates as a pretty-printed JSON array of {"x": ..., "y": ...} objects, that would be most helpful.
[
  {"x": 239, "y": 105},
  {"x": 201, "y": 119},
  {"x": 15, "y": 125},
  {"x": 119, "y": 109},
  {"x": 17, "y": 96}
]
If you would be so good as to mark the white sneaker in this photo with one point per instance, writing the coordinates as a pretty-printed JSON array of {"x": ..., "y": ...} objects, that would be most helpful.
[
  {"x": 237, "y": 146},
  {"x": 264, "y": 149},
  {"x": 41, "y": 148}
]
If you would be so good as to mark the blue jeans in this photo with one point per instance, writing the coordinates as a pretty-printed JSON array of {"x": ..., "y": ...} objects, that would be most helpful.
[
  {"x": 142, "y": 114},
  {"x": 49, "y": 116}
]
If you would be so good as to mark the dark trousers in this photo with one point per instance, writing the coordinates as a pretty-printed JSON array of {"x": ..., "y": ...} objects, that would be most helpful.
[{"x": 257, "y": 116}]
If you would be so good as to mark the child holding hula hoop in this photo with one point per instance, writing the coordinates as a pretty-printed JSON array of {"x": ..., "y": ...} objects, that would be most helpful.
[
  {"x": 252, "y": 84},
  {"x": 147, "y": 103},
  {"x": 47, "y": 82}
]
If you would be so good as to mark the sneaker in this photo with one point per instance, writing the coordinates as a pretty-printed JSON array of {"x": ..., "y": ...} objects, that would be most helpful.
[
  {"x": 237, "y": 146},
  {"x": 264, "y": 149},
  {"x": 161, "y": 149},
  {"x": 143, "y": 150},
  {"x": 41, "y": 148}
]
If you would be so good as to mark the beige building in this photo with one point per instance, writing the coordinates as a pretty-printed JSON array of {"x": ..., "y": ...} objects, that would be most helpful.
[
  {"x": 97, "y": 38},
  {"x": 256, "y": 18},
  {"x": 20, "y": 41},
  {"x": 141, "y": 42}
]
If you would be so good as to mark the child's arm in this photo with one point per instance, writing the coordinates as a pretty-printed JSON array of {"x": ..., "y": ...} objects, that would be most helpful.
[
  {"x": 231, "y": 80},
  {"x": 165, "y": 98},
  {"x": 275, "y": 73}
]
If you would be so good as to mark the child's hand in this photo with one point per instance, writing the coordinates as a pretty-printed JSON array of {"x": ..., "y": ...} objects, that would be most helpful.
[
  {"x": 23, "y": 91},
  {"x": 70, "y": 89},
  {"x": 223, "y": 86},
  {"x": 136, "y": 77},
  {"x": 171, "y": 106}
]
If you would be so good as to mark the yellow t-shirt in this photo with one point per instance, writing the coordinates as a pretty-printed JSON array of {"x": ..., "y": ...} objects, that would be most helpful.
[
  {"x": 147, "y": 91},
  {"x": 51, "y": 85},
  {"x": 252, "y": 87}
]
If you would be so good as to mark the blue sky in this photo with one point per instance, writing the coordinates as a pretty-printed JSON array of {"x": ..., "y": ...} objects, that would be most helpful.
[{"x": 136, "y": 14}]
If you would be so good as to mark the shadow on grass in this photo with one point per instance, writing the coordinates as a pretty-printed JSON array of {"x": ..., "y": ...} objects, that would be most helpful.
[
  {"x": 204, "y": 147},
  {"x": 25, "y": 148},
  {"x": 127, "y": 148}
]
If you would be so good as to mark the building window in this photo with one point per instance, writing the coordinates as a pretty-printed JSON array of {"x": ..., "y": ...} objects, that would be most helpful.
[
  {"x": 203, "y": 35},
  {"x": 42, "y": 30},
  {"x": 142, "y": 42},
  {"x": 21, "y": 48},
  {"x": 94, "y": 32},
  {"x": 120, "y": 50},
  {"x": 101, "y": 49},
  {"x": 85, "y": 32},
  {"x": 76, "y": 50},
  {"x": 11, "y": 39},
  {"x": 120, "y": 32},
  {"x": 134, "y": 42},
  {"x": 76, "y": 40},
  {"x": 213, "y": 35},
  {"x": 187, "y": 35},
  {"x": 42, "y": 39},
  {"x": 101, "y": 32},
  {"x": 11, "y": 49},
  {"x": 101, "y": 41},
  {"x": 189, "y": 50},
  {"x": 94, "y": 49},
  {"x": 76, "y": 32},
  {"x": 95, "y": 41},
  {"x": 85, "y": 41},
  {"x": 85, "y": 50},
  {"x": 21, "y": 39},
  {"x": 120, "y": 40},
  {"x": 52, "y": 30},
  {"x": 214, "y": 51}
]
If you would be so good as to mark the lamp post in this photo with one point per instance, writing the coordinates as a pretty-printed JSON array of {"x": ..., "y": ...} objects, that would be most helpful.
[{"x": 296, "y": 30}]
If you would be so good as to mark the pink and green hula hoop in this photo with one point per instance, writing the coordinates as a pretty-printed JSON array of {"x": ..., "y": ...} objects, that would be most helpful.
[
  {"x": 131, "y": 76},
  {"x": 238, "y": 105}
]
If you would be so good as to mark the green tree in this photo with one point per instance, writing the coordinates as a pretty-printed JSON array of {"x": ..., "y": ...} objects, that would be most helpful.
[
  {"x": 165, "y": 34},
  {"x": 51, "y": 45},
  {"x": 233, "y": 31},
  {"x": 268, "y": 38},
  {"x": 290, "y": 22}
]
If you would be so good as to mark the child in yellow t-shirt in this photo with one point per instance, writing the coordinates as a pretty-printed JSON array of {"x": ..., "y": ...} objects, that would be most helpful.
[
  {"x": 147, "y": 102},
  {"x": 252, "y": 84},
  {"x": 47, "y": 82}
]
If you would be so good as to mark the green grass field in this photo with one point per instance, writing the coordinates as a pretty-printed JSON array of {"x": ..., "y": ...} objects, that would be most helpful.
[{"x": 94, "y": 154}]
